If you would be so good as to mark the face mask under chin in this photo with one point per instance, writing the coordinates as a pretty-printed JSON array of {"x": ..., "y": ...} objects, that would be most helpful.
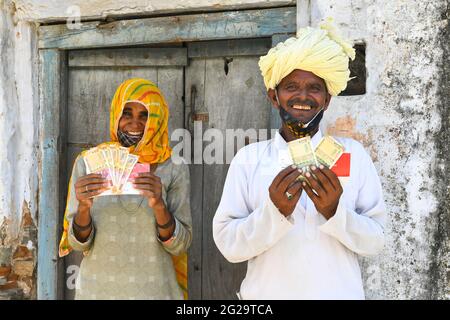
[
  {"x": 127, "y": 140},
  {"x": 297, "y": 127}
]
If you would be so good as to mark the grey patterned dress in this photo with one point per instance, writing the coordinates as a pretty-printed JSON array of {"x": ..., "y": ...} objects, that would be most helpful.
[{"x": 125, "y": 258}]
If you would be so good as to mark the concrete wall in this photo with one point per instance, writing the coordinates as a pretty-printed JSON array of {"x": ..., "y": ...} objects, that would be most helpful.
[{"x": 403, "y": 120}]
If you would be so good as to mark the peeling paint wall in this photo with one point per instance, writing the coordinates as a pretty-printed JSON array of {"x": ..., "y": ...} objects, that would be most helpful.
[
  {"x": 402, "y": 120},
  {"x": 18, "y": 160},
  {"x": 403, "y": 123}
]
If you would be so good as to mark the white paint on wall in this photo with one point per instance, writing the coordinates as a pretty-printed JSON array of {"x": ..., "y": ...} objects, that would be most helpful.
[
  {"x": 397, "y": 121},
  {"x": 18, "y": 118}
]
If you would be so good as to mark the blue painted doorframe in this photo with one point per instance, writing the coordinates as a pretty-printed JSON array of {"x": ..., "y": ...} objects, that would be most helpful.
[
  {"x": 54, "y": 43},
  {"x": 52, "y": 114}
]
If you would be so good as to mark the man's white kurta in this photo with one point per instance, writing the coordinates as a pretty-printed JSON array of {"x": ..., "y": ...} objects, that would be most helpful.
[{"x": 303, "y": 256}]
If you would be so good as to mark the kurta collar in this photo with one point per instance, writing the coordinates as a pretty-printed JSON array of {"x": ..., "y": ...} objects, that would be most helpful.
[{"x": 280, "y": 143}]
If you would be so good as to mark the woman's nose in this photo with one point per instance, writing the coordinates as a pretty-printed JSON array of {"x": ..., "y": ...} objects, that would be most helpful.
[{"x": 135, "y": 124}]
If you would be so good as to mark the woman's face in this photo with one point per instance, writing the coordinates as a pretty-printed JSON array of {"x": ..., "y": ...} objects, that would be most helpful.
[{"x": 134, "y": 118}]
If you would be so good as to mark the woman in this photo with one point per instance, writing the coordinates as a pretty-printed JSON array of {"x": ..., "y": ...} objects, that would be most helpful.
[{"x": 131, "y": 242}]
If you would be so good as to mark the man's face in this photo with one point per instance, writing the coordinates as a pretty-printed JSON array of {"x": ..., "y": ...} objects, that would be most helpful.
[{"x": 301, "y": 94}]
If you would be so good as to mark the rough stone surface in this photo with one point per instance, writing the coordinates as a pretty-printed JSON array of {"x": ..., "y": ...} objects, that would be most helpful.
[{"x": 403, "y": 121}]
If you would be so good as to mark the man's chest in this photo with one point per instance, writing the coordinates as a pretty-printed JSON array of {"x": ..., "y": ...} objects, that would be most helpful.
[{"x": 266, "y": 170}]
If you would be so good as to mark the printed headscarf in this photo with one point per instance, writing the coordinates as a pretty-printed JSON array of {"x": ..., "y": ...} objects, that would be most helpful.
[{"x": 154, "y": 145}]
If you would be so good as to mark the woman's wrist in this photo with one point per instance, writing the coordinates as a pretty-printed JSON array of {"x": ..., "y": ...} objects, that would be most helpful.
[
  {"x": 83, "y": 208},
  {"x": 84, "y": 227},
  {"x": 167, "y": 223},
  {"x": 159, "y": 206},
  {"x": 83, "y": 216}
]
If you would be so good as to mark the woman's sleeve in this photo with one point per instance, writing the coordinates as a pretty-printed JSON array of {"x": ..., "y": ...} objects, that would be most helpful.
[
  {"x": 72, "y": 207},
  {"x": 178, "y": 204}
]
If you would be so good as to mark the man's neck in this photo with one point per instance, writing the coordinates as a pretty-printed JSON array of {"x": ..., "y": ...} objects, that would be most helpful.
[{"x": 289, "y": 136}]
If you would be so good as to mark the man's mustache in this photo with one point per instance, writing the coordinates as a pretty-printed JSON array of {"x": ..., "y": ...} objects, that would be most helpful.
[{"x": 306, "y": 102}]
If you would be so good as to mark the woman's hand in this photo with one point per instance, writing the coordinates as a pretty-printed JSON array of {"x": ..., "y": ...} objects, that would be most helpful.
[
  {"x": 89, "y": 186},
  {"x": 86, "y": 188},
  {"x": 151, "y": 187}
]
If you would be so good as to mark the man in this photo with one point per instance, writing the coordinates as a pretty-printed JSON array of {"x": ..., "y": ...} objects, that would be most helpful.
[{"x": 301, "y": 240}]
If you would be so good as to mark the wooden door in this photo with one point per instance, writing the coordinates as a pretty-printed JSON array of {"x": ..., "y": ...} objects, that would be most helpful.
[
  {"x": 229, "y": 94},
  {"x": 93, "y": 78},
  {"x": 219, "y": 79}
]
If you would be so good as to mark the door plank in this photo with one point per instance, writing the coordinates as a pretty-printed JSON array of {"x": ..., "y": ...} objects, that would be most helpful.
[
  {"x": 170, "y": 82},
  {"x": 195, "y": 77},
  {"x": 236, "y": 47},
  {"x": 210, "y": 26},
  {"x": 234, "y": 100},
  {"x": 52, "y": 79},
  {"x": 128, "y": 57}
]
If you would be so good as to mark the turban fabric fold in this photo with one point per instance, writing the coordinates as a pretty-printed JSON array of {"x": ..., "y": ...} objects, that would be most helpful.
[{"x": 318, "y": 50}]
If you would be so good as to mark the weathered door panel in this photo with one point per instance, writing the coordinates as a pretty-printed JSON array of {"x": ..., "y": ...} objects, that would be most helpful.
[{"x": 231, "y": 91}]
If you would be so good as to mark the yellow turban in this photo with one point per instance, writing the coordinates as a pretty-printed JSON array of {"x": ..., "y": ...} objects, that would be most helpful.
[{"x": 318, "y": 50}]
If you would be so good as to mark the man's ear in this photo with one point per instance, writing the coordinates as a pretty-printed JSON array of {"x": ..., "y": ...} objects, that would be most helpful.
[
  {"x": 327, "y": 101},
  {"x": 273, "y": 98}
]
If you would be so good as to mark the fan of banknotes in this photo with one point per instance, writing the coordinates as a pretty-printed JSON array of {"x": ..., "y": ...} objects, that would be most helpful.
[
  {"x": 116, "y": 164},
  {"x": 327, "y": 152}
]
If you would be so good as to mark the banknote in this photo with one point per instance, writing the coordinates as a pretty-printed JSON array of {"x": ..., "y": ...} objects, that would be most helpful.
[
  {"x": 103, "y": 150},
  {"x": 302, "y": 153},
  {"x": 114, "y": 163},
  {"x": 95, "y": 162},
  {"x": 129, "y": 165},
  {"x": 121, "y": 162},
  {"x": 128, "y": 187},
  {"x": 328, "y": 151}
]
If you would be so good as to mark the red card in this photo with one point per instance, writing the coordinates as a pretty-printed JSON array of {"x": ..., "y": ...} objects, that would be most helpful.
[{"x": 342, "y": 167}]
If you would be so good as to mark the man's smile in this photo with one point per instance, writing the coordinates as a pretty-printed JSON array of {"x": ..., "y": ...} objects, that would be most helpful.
[
  {"x": 303, "y": 112},
  {"x": 301, "y": 107}
]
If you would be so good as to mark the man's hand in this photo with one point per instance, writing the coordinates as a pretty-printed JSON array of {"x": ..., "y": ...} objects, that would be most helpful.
[
  {"x": 284, "y": 182},
  {"x": 151, "y": 187},
  {"x": 327, "y": 190}
]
